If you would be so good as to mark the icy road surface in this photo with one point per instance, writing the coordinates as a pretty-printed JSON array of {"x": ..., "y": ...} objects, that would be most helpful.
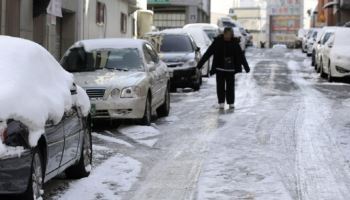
[{"x": 288, "y": 138}]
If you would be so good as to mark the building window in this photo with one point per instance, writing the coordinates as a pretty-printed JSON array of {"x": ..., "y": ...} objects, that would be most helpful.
[
  {"x": 123, "y": 22},
  {"x": 100, "y": 13}
]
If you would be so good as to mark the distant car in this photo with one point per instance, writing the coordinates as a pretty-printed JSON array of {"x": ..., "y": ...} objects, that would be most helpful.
[
  {"x": 124, "y": 78},
  {"x": 310, "y": 41},
  {"x": 181, "y": 54},
  {"x": 248, "y": 37},
  {"x": 304, "y": 41},
  {"x": 211, "y": 30},
  {"x": 347, "y": 24},
  {"x": 33, "y": 154},
  {"x": 203, "y": 42},
  {"x": 328, "y": 32},
  {"x": 242, "y": 40},
  {"x": 335, "y": 57},
  {"x": 227, "y": 22}
]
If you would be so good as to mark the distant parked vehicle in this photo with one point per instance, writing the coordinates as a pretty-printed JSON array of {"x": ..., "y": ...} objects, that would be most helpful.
[
  {"x": 227, "y": 22},
  {"x": 203, "y": 42},
  {"x": 44, "y": 129},
  {"x": 211, "y": 30},
  {"x": 328, "y": 32},
  {"x": 310, "y": 41},
  {"x": 242, "y": 40},
  {"x": 304, "y": 41},
  {"x": 181, "y": 54},
  {"x": 317, "y": 44},
  {"x": 347, "y": 24},
  {"x": 335, "y": 57},
  {"x": 124, "y": 78}
]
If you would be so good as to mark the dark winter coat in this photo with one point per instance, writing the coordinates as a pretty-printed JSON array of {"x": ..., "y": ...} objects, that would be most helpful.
[{"x": 217, "y": 49}]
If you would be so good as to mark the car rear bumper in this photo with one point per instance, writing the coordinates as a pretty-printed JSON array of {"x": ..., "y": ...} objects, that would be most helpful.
[
  {"x": 123, "y": 108},
  {"x": 184, "y": 77},
  {"x": 15, "y": 173}
]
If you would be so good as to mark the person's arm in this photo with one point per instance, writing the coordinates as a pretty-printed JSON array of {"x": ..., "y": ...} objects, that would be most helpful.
[
  {"x": 244, "y": 60},
  {"x": 207, "y": 55}
]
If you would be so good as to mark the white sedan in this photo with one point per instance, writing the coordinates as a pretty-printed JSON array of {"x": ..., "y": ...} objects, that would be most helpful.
[
  {"x": 335, "y": 58},
  {"x": 124, "y": 78}
]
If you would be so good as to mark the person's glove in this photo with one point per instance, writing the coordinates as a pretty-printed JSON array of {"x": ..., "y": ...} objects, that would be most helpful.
[{"x": 247, "y": 69}]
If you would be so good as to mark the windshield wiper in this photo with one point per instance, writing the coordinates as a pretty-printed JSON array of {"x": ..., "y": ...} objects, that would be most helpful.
[{"x": 118, "y": 69}]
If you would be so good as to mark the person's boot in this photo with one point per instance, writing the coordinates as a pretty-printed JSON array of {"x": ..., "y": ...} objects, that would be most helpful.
[
  {"x": 232, "y": 106},
  {"x": 221, "y": 106}
]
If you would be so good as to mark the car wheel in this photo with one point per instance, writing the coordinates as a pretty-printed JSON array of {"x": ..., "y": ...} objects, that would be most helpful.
[
  {"x": 197, "y": 84},
  {"x": 313, "y": 59},
  {"x": 83, "y": 167},
  {"x": 164, "y": 109},
  {"x": 323, "y": 75},
  {"x": 35, "y": 186},
  {"x": 147, "y": 118},
  {"x": 329, "y": 75}
]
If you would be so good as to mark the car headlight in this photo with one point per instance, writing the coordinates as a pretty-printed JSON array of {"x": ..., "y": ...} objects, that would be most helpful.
[
  {"x": 131, "y": 92},
  {"x": 115, "y": 93},
  {"x": 342, "y": 70},
  {"x": 190, "y": 63}
]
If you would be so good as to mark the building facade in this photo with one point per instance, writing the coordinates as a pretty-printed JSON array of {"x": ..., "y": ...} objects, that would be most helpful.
[
  {"x": 284, "y": 19},
  {"x": 74, "y": 20},
  {"x": 177, "y": 13},
  {"x": 331, "y": 13}
]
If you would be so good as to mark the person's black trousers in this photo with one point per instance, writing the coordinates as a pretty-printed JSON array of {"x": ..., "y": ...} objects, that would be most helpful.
[{"x": 225, "y": 87}]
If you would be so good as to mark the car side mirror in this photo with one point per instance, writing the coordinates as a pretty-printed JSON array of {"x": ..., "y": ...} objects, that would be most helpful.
[
  {"x": 319, "y": 42},
  {"x": 330, "y": 45}
]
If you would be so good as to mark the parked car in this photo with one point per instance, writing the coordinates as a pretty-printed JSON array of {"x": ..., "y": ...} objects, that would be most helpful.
[
  {"x": 39, "y": 91},
  {"x": 347, "y": 24},
  {"x": 335, "y": 57},
  {"x": 310, "y": 42},
  {"x": 124, "y": 78},
  {"x": 203, "y": 42},
  {"x": 305, "y": 39},
  {"x": 227, "y": 22},
  {"x": 212, "y": 30},
  {"x": 181, "y": 54},
  {"x": 242, "y": 40},
  {"x": 322, "y": 37},
  {"x": 248, "y": 37},
  {"x": 301, "y": 35}
]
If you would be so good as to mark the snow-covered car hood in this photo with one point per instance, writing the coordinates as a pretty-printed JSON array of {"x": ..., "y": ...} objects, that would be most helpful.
[
  {"x": 176, "y": 57},
  {"x": 34, "y": 90},
  {"x": 109, "y": 78}
]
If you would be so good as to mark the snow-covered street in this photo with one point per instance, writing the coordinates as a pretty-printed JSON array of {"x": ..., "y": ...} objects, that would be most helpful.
[{"x": 287, "y": 138}]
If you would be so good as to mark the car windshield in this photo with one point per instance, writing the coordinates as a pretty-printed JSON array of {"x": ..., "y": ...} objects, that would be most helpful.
[
  {"x": 211, "y": 33},
  {"x": 228, "y": 24},
  {"x": 77, "y": 60},
  {"x": 176, "y": 43}
]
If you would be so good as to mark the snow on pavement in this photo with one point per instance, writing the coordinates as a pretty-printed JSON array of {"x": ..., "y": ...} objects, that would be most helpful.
[
  {"x": 108, "y": 181},
  {"x": 111, "y": 139},
  {"x": 141, "y": 134}
]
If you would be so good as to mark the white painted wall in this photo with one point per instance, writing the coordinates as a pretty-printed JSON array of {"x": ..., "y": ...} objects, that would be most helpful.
[{"x": 111, "y": 28}]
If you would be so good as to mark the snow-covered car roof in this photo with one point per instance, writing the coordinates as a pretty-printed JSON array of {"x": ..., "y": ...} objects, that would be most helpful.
[
  {"x": 112, "y": 43},
  {"x": 202, "y": 25},
  {"x": 34, "y": 87}
]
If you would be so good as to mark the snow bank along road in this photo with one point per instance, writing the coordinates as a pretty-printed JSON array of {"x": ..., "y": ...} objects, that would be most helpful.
[{"x": 288, "y": 138}]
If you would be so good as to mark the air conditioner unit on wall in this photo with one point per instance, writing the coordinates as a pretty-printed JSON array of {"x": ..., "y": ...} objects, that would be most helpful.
[{"x": 344, "y": 4}]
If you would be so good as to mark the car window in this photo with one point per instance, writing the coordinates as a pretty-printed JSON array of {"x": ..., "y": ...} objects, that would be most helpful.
[
  {"x": 176, "y": 43},
  {"x": 326, "y": 37},
  {"x": 148, "y": 56},
  {"x": 77, "y": 60}
]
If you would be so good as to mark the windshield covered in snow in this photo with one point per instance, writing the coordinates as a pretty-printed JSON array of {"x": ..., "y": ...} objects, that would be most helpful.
[
  {"x": 78, "y": 60},
  {"x": 176, "y": 43}
]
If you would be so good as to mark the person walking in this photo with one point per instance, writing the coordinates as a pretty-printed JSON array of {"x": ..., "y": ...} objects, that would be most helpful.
[{"x": 228, "y": 61}]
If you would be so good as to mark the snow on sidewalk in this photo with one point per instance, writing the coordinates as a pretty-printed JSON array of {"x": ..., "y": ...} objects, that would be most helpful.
[{"x": 108, "y": 181}]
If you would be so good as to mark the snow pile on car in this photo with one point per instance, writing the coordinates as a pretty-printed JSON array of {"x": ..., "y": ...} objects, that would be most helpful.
[{"x": 34, "y": 87}]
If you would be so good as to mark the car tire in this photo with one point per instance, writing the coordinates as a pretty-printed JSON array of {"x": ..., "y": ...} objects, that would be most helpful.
[
  {"x": 322, "y": 74},
  {"x": 35, "y": 186},
  {"x": 329, "y": 75},
  {"x": 147, "y": 117},
  {"x": 313, "y": 59},
  {"x": 197, "y": 84},
  {"x": 164, "y": 109},
  {"x": 83, "y": 168}
]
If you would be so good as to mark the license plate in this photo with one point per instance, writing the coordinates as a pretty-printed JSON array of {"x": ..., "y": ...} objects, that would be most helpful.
[{"x": 93, "y": 109}]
